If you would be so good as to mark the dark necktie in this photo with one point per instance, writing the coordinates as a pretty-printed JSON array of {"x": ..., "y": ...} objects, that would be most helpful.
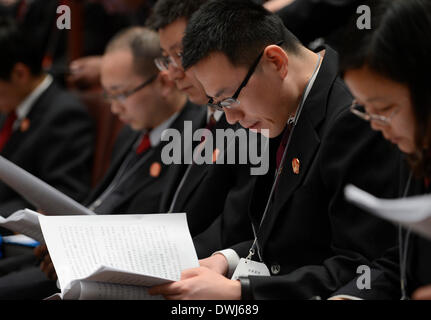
[
  {"x": 22, "y": 10},
  {"x": 6, "y": 130},
  {"x": 283, "y": 144},
  {"x": 210, "y": 125},
  {"x": 144, "y": 145}
]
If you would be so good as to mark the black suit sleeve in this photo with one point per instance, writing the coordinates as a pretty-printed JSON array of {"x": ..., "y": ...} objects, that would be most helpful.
[{"x": 384, "y": 280}]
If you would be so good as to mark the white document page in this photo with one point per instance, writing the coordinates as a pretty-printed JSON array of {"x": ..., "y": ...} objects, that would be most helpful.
[
  {"x": 154, "y": 245},
  {"x": 24, "y": 221},
  {"x": 411, "y": 212}
]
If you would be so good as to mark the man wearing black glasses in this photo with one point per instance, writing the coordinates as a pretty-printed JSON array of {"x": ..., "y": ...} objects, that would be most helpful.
[
  {"x": 148, "y": 103},
  {"x": 308, "y": 241},
  {"x": 215, "y": 196}
]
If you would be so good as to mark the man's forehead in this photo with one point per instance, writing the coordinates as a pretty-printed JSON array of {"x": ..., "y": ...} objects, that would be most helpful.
[
  {"x": 217, "y": 75},
  {"x": 171, "y": 36},
  {"x": 166, "y": 47},
  {"x": 116, "y": 73}
]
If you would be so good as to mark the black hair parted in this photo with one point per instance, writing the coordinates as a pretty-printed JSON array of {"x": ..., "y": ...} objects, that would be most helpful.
[
  {"x": 397, "y": 47},
  {"x": 19, "y": 45},
  {"x": 165, "y": 12},
  {"x": 240, "y": 29}
]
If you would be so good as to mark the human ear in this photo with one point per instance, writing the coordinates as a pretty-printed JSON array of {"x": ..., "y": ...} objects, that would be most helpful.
[{"x": 276, "y": 59}]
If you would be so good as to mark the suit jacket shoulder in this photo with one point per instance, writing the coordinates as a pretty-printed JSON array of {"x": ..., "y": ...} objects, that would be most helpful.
[{"x": 57, "y": 147}]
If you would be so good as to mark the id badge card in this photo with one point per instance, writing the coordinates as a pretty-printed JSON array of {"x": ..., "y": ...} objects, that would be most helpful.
[{"x": 247, "y": 267}]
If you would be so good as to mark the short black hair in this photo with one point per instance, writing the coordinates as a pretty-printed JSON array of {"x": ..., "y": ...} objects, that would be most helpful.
[
  {"x": 18, "y": 45},
  {"x": 167, "y": 11},
  {"x": 240, "y": 29},
  {"x": 397, "y": 47}
]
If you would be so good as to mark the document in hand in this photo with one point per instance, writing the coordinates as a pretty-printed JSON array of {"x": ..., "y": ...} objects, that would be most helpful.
[
  {"x": 412, "y": 212},
  {"x": 37, "y": 192},
  {"x": 117, "y": 256}
]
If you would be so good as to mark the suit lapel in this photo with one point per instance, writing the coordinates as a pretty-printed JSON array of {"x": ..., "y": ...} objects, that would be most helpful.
[
  {"x": 198, "y": 172},
  {"x": 116, "y": 163},
  {"x": 140, "y": 177},
  {"x": 41, "y": 105},
  {"x": 303, "y": 146},
  {"x": 304, "y": 143},
  {"x": 197, "y": 115}
]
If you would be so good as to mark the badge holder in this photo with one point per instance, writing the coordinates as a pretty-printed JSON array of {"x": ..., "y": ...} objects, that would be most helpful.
[{"x": 247, "y": 267}]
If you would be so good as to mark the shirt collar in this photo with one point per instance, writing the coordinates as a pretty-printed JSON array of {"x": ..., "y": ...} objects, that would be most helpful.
[
  {"x": 25, "y": 106},
  {"x": 157, "y": 133},
  {"x": 217, "y": 114}
]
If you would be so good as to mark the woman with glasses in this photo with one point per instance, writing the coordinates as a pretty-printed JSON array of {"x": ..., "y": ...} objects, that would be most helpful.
[{"x": 387, "y": 69}]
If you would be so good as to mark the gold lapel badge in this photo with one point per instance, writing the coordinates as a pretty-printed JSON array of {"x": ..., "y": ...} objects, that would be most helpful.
[
  {"x": 24, "y": 125},
  {"x": 295, "y": 165},
  {"x": 155, "y": 169}
]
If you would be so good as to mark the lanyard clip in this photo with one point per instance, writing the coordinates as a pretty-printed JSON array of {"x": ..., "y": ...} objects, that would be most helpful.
[{"x": 250, "y": 254}]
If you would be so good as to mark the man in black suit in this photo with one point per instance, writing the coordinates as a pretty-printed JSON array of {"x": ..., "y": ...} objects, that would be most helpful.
[
  {"x": 308, "y": 240},
  {"x": 215, "y": 196},
  {"x": 148, "y": 102},
  {"x": 44, "y": 129}
]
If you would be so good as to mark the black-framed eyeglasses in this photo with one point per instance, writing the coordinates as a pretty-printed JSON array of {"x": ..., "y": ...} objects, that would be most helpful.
[
  {"x": 121, "y": 97},
  {"x": 233, "y": 101}
]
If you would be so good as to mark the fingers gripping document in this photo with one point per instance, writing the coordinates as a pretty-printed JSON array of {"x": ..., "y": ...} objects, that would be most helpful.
[
  {"x": 117, "y": 256},
  {"x": 411, "y": 212}
]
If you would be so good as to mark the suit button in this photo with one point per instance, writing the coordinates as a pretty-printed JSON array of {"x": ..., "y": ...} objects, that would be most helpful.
[{"x": 275, "y": 269}]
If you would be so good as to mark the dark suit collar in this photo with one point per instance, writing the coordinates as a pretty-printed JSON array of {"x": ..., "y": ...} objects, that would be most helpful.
[
  {"x": 198, "y": 172},
  {"x": 313, "y": 107},
  {"x": 188, "y": 112},
  {"x": 116, "y": 161},
  {"x": 304, "y": 142},
  {"x": 44, "y": 101}
]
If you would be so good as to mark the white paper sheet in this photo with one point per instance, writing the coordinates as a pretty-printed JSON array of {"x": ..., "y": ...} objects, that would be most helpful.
[
  {"x": 411, "y": 212},
  {"x": 126, "y": 249},
  {"x": 24, "y": 221}
]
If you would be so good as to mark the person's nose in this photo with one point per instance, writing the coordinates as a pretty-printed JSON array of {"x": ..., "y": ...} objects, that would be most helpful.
[
  {"x": 175, "y": 72},
  {"x": 377, "y": 126},
  {"x": 116, "y": 107},
  {"x": 233, "y": 115}
]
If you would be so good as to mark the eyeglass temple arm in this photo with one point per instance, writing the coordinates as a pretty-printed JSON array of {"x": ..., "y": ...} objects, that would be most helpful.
[{"x": 251, "y": 71}]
